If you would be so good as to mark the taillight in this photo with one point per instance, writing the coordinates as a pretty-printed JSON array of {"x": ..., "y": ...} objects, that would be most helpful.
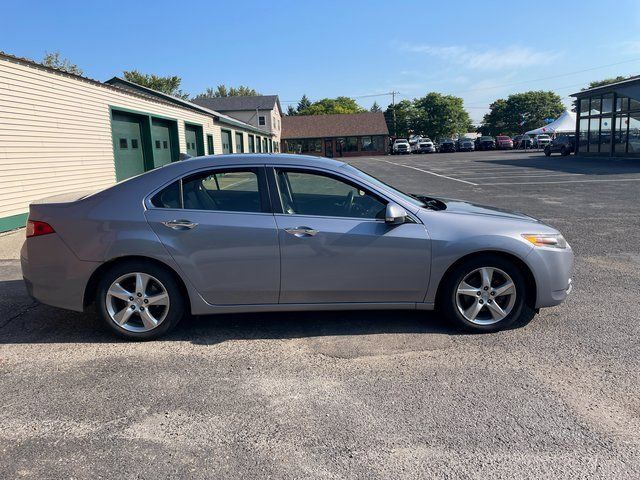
[{"x": 36, "y": 228}]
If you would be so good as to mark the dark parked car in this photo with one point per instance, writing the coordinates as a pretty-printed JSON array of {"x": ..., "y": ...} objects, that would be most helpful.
[
  {"x": 447, "y": 145},
  {"x": 485, "y": 143},
  {"x": 466, "y": 145},
  {"x": 563, "y": 144},
  {"x": 504, "y": 143},
  {"x": 522, "y": 141}
]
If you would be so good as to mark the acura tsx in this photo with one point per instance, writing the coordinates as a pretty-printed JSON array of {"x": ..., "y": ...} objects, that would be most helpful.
[{"x": 253, "y": 233}]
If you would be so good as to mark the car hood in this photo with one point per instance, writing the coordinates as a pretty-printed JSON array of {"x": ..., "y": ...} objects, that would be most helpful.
[{"x": 450, "y": 205}]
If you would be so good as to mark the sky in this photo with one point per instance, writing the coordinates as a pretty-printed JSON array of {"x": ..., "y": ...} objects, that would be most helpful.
[{"x": 480, "y": 51}]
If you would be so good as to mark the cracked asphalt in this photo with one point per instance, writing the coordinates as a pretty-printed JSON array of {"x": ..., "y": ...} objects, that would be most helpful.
[{"x": 370, "y": 395}]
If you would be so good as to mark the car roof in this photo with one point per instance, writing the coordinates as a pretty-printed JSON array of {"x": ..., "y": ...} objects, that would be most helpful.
[{"x": 253, "y": 158}]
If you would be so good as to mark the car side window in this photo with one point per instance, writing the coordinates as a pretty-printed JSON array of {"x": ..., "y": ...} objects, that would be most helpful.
[
  {"x": 168, "y": 197},
  {"x": 310, "y": 193},
  {"x": 236, "y": 190}
]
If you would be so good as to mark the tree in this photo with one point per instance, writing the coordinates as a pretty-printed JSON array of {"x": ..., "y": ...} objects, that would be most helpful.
[
  {"x": 291, "y": 110},
  {"x": 303, "y": 104},
  {"x": 521, "y": 112},
  {"x": 400, "y": 118},
  {"x": 605, "y": 81},
  {"x": 330, "y": 106},
  {"x": 54, "y": 60},
  {"x": 375, "y": 108},
  {"x": 440, "y": 115},
  {"x": 169, "y": 85},
  {"x": 223, "y": 91}
]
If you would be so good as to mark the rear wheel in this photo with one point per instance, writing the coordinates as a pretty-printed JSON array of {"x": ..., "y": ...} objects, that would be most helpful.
[
  {"x": 563, "y": 151},
  {"x": 547, "y": 151},
  {"x": 139, "y": 300},
  {"x": 486, "y": 293}
]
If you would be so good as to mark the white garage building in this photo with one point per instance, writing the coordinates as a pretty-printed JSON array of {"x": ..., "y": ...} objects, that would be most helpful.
[{"x": 61, "y": 132}]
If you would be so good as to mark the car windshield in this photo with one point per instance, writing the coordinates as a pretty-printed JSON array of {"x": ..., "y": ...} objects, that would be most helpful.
[
  {"x": 402, "y": 141},
  {"x": 379, "y": 183},
  {"x": 543, "y": 136},
  {"x": 502, "y": 137},
  {"x": 486, "y": 138}
]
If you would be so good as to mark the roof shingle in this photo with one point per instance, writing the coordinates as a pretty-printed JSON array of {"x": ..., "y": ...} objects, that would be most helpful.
[
  {"x": 228, "y": 104},
  {"x": 341, "y": 125}
]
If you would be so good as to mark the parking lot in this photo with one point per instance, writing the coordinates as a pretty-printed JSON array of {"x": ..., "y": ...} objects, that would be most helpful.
[{"x": 359, "y": 394}]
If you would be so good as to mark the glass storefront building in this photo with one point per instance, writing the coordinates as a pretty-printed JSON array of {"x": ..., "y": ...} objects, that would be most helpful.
[{"x": 608, "y": 120}]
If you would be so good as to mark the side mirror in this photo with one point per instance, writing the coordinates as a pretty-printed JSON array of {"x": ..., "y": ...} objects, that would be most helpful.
[{"x": 395, "y": 214}]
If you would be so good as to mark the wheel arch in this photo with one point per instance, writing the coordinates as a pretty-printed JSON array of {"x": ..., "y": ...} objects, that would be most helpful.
[
  {"x": 520, "y": 264},
  {"x": 92, "y": 285}
]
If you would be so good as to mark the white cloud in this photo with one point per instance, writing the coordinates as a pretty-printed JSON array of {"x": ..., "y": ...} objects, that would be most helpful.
[{"x": 513, "y": 56}]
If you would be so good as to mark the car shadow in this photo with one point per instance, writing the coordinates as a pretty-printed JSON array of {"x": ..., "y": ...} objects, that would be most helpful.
[
  {"x": 571, "y": 164},
  {"x": 25, "y": 321}
]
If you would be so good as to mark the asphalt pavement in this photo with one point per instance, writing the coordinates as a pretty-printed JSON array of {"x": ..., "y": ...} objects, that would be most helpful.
[{"x": 372, "y": 395}]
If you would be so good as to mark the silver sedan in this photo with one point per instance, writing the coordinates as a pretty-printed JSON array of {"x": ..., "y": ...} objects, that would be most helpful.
[{"x": 249, "y": 233}]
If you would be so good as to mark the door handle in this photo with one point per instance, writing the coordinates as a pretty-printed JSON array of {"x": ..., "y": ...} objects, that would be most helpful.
[
  {"x": 301, "y": 231},
  {"x": 180, "y": 224}
]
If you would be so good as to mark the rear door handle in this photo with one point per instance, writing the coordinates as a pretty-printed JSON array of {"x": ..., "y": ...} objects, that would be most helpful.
[
  {"x": 301, "y": 231},
  {"x": 180, "y": 224}
]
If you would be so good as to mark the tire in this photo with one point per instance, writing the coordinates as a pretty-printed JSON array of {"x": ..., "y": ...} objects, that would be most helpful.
[
  {"x": 547, "y": 152},
  {"x": 563, "y": 151},
  {"x": 518, "y": 312},
  {"x": 160, "y": 283}
]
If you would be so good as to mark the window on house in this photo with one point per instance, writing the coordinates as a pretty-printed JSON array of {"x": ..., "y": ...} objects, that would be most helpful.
[
  {"x": 124, "y": 143},
  {"x": 261, "y": 120}
]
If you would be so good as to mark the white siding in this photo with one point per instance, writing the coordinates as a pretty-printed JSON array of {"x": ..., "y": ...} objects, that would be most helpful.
[{"x": 55, "y": 133}]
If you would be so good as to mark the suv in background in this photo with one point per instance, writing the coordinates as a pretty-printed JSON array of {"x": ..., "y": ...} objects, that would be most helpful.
[
  {"x": 424, "y": 145},
  {"x": 541, "y": 141},
  {"x": 504, "y": 143},
  {"x": 466, "y": 145},
  {"x": 522, "y": 141},
  {"x": 401, "y": 146},
  {"x": 564, "y": 144},
  {"x": 447, "y": 145},
  {"x": 485, "y": 143}
]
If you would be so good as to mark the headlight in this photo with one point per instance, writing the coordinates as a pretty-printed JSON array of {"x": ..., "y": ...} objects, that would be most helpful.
[{"x": 552, "y": 240}]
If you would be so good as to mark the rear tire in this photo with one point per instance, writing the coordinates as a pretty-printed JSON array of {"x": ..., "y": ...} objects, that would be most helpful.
[
  {"x": 139, "y": 300},
  {"x": 547, "y": 152},
  {"x": 563, "y": 151},
  {"x": 468, "y": 278}
]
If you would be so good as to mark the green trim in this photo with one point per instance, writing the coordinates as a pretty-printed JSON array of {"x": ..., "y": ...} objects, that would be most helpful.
[
  {"x": 210, "y": 144},
  {"x": 14, "y": 221},
  {"x": 199, "y": 135}
]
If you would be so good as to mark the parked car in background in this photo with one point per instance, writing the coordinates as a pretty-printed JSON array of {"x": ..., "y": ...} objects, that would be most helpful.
[
  {"x": 424, "y": 145},
  {"x": 413, "y": 141},
  {"x": 208, "y": 236},
  {"x": 563, "y": 144},
  {"x": 541, "y": 141},
  {"x": 447, "y": 145},
  {"x": 485, "y": 143},
  {"x": 401, "y": 146},
  {"x": 465, "y": 145},
  {"x": 522, "y": 142},
  {"x": 504, "y": 142}
]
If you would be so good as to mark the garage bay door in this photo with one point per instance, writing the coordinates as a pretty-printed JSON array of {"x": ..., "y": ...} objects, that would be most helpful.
[
  {"x": 127, "y": 145},
  {"x": 191, "y": 134},
  {"x": 161, "y": 142},
  {"x": 226, "y": 141}
]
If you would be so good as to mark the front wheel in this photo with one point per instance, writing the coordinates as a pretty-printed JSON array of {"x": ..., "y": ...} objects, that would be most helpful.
[
  {"x": 485, "y": 294},
  {"x": 139, "y": 300},
  {"x": 563, "y": 151}
]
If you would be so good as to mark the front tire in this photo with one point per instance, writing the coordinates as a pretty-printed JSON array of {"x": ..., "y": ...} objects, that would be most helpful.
[
  {"x": 139, "y": 300},
  {"x": 486, "y": 293}
]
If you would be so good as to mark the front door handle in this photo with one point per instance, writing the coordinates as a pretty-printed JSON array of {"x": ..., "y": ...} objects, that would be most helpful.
[
  {"x": 180, "y": 224},
  {"x": 301, "y": 231}
]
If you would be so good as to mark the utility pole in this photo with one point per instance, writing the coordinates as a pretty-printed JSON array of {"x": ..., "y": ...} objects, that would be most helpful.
[{"x": 393, "y": 107}]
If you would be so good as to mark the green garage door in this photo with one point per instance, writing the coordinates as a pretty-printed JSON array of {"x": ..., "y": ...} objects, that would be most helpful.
[
  {"x": 127, "y": 145},
  {"x": 161, "y": 142},
  {"x": 191, "y": 137},
  {"x": 239, "y": 142},
  {"x": 226, "y": 141}
]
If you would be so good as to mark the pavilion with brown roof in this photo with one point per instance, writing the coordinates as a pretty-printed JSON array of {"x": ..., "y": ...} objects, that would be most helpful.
[{"x": 340, "y": 135}]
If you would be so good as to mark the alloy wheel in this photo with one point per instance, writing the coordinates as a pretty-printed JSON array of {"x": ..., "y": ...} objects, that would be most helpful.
[
  {"x": 485, "y": 296},
  {"x": 137, "y": 302}
]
